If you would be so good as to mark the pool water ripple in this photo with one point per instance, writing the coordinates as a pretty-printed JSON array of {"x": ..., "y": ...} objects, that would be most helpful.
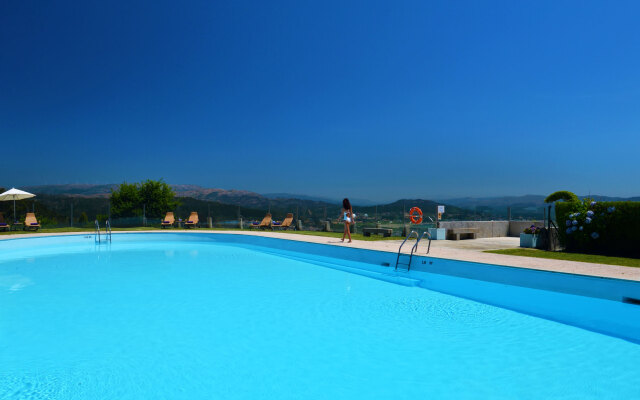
[{"x": 190, "y": 320}]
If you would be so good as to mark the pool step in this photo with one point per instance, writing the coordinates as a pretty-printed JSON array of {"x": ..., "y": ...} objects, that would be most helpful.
[{"x": 387, "y": 277}]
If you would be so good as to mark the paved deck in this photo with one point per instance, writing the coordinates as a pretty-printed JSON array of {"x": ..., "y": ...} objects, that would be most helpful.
[{"x": 464, "y": 250}]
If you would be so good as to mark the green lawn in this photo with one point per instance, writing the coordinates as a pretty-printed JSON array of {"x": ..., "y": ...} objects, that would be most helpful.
[
  {"x": 355, "y": 236},
  {"x": 556, "y": 255},
  {"x": 69, "y": 229}
]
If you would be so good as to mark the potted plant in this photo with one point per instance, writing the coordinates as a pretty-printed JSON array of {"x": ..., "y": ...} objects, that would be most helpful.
[{"x": 529, "y": 237}]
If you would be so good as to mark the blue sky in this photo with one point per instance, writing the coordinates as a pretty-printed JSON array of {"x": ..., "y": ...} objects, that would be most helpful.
[{"x": 377, "y": 100}]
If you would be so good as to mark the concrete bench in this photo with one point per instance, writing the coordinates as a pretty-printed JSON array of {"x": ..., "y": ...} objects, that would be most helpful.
[
  {"x": 386, "y": 232},
  {"x": 457, "y": 233}
]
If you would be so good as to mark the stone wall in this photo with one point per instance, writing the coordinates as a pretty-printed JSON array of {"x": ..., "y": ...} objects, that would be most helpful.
[
  {"x": 492, "y": 228},
  {"x": 485, "y": 228}
]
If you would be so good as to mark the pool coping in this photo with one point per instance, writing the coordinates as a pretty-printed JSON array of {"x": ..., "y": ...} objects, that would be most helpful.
[{"x": 391, "y": 246}]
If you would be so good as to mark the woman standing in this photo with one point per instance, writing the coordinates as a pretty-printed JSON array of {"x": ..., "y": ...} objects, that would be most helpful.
[{"x": 348, "y": 218}]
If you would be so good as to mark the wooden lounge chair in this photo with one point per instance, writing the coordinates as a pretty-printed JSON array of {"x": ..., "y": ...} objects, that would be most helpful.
[
  {"x": 30, "y": 222},
  {"x": 3, "y": 225},
  {"x": 192, "y": 221},
  {"x": 168, "y": 220},
  {"x": 286, "y": 223},
  {"x": 266, "y": 222}
]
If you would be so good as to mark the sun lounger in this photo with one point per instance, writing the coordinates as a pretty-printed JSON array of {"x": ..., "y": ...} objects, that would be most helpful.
[
  {"x": 3, "y": 225},
  {"x": 192, "y": 221},
  {"x": 168, "y": 220},
  {"x": 266, "y": 222},
  {"x": 30, "y": 222},
  {"x": 286, "y": 224}
]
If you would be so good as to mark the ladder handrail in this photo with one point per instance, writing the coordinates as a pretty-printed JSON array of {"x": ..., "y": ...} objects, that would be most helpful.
[
  {"x": 422, "y": 237},
  {"x": 403, "y": 242},
  {"x": 97, "y": 234},
  {"x": 415, "y": 247},
  {"x": 108, "y": 229}
]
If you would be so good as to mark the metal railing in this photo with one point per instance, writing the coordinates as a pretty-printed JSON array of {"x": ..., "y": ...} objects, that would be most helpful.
[
  {"x": 107, "y": 232},
  {"x": 400, "y": 249},
  {"x": 414, "y": 249},
  {"x": 96, "y": 236}
]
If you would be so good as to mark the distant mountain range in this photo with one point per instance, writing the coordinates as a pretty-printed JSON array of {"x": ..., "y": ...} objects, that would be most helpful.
[
  {"x": 528, "y": 200},
  {"x": 354, "y": 200},
  {"x": 238, "y": 197},
  {"x": 527, "y": 206},
  {"x": 83, "y": 190},
  {"x": 251, "y": 203}
]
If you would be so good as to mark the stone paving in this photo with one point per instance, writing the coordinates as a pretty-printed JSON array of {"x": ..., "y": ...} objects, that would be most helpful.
[{"x": 464, "y": 250}]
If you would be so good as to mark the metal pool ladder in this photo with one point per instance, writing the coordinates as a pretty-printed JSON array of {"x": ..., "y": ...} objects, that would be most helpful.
[
  {"x": 413, "y": 249},
  {"x": 107, "y": 232}
]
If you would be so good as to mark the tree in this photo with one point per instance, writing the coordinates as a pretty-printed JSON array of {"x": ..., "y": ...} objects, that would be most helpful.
[
  {"x": 129, "y": 198},
  {"x": 125, "y": 201},
  {"x": 158, "y": 198}
]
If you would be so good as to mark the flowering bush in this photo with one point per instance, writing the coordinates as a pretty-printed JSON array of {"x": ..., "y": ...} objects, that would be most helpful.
[
  {"x": 581, "y": 221},
  {"x": 533, "y": 230},
  {"x": 600, "y": 227}
]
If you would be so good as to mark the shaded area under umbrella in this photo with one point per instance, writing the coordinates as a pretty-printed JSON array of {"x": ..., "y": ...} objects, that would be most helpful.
[{"x": 15, "y": 194}]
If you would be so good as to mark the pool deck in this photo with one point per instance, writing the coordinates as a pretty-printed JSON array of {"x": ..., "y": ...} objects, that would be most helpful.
[{"x": 463, "y": 250}]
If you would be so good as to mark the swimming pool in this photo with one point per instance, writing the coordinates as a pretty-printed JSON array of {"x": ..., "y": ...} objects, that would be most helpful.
[{"x": 193, "y": 316}]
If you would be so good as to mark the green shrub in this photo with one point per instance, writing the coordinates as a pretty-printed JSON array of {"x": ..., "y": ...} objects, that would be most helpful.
[
  {"x": 84, "y": 219},
  {"x": 48, "y": 221},
  {"x": 561, "y": 195},
  {"x": 608, "y": 227}
]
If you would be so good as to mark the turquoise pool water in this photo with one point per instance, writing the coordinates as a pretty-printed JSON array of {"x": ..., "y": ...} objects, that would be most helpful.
[{"x": 151, "y": 317}]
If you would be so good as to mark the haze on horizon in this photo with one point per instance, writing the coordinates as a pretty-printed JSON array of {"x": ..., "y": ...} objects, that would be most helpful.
[{"x": 368, "y": 99}]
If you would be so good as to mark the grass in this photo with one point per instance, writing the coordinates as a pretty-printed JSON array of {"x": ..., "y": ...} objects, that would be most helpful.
[
  {"x": 355, "y": 236},
  {"x": 555, "y": 255},
  {"x": 71, "y": 230}
]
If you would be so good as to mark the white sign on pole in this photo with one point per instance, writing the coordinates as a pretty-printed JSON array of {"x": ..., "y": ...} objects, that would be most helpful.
[{"x": 441, "y": 209}]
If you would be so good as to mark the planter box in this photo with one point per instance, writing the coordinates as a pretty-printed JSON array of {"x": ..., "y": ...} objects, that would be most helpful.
[
  {"x": 528, "y": 240},
  {"x": 438, "y": 233}
]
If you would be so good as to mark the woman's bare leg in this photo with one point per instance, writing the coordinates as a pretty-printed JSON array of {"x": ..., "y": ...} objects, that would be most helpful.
[
  {"x": 346, "y": 226},
  {"x": 344, "y": 232}
]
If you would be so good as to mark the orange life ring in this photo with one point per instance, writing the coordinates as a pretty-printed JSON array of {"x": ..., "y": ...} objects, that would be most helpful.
[{"x": 417, "y": 217}]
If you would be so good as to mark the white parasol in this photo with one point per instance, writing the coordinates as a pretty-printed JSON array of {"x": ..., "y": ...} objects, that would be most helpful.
[{"x": 15, "y": 194}]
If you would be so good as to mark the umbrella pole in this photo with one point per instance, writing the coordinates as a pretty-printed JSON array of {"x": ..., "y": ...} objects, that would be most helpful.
[{"x": 15, "y": 218}]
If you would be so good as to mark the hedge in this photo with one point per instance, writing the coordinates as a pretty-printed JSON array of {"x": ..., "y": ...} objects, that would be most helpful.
[
  {"x": 603, "y": 227},
  {"x": 561, "y": 195}
]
